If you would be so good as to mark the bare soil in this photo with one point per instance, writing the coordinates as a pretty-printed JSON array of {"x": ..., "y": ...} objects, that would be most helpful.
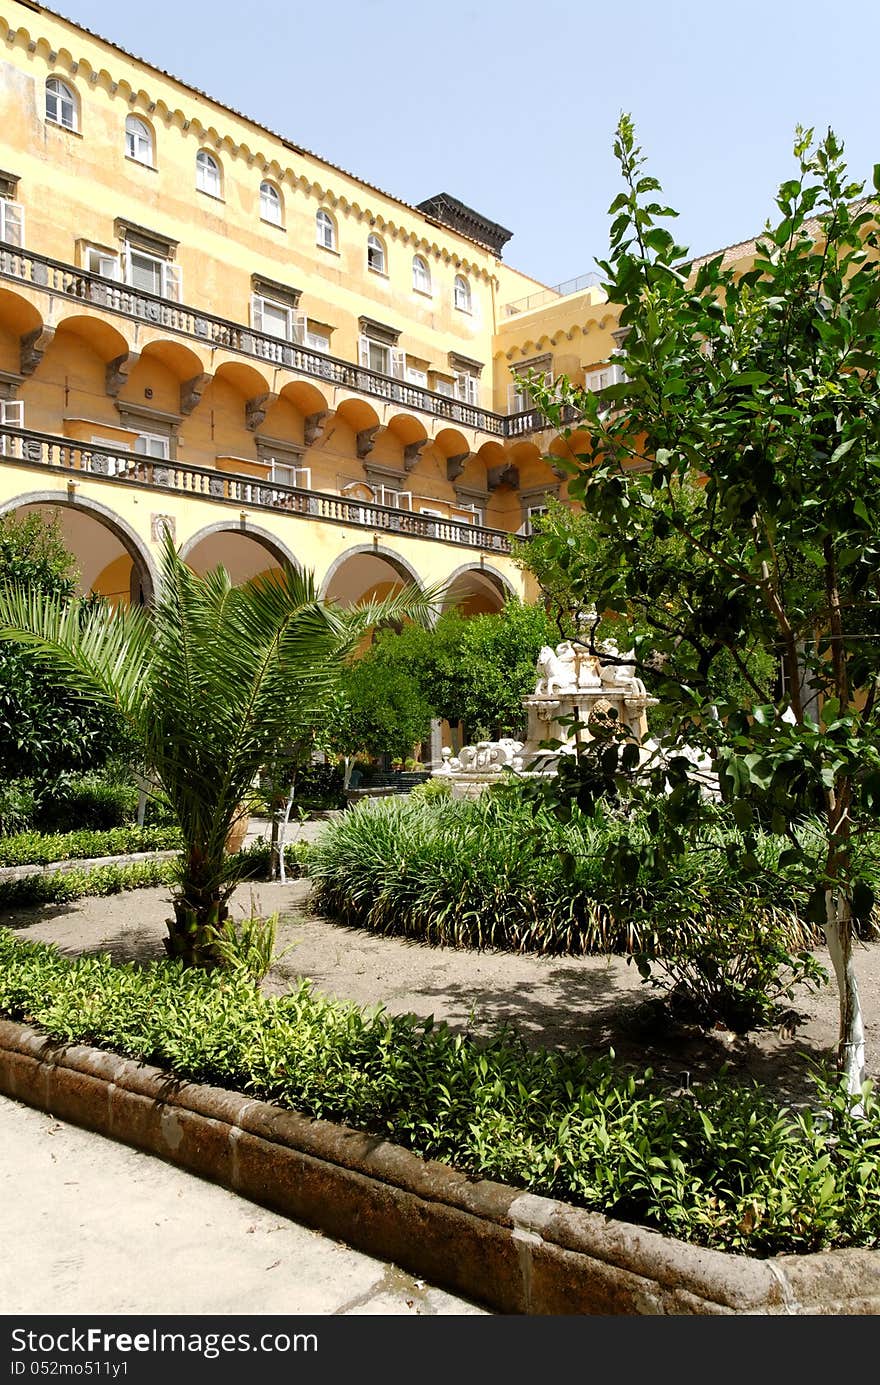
[{"x": 561, "y": 1002}]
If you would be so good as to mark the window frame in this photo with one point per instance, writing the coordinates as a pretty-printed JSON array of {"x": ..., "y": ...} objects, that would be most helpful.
[
  {"x": 171, "y": 286},
  {"x": 8, "y": 204},
  {"x": 420, "y": 266},
  {"x": 204, "y": 158},
  {"x": 144, "y": 134},
  {"x": 323, "y": 220},
  {"x": 462, "y": 298},
  {"x": 270, "y": 194},
  {"x": 65, "y": 94},
  {"x": 376, "y": 248},
  {"x": 146, "y": 436}
]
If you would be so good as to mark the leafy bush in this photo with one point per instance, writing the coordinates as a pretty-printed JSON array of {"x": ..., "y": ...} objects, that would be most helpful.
[
  {"x": 36, "y": 848},
  {"x": 496, "y": 873},
  {"x": 735, "y": 971},
  {"x": 18, "y": 801},
  {"x": 720, "y": 1165},
  {"x": 92, "y": 801},
  {"x": 258, "y": 857},
  {"x": 248, "y": 945},
  {"x": 431, "y": 790}
]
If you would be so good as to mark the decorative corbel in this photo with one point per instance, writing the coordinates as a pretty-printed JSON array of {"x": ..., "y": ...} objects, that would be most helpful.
[
  {"x": 191, "y": 392},
  {"x": 456, "y": 465},
  {"x": 117, "y": 372},
  {"x": 412, "y": 453},
  {"x": 255, "y": 410},
  {"x": 366, "y": 440},
  {"x": 315, "y": 426},
  {"x": 504, "y": 475},
  {"x": 33, "y": 348}
]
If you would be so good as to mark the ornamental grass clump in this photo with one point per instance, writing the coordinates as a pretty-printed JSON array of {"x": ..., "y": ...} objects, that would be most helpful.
[
  {"x": 497, "y": 873},
  {"x": 719, "y": 1165}
]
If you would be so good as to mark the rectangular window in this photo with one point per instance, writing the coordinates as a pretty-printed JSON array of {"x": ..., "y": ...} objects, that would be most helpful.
[
  {"x": 283, "y": 475},
  {"x": 11, "y": 222},
  {"x": 275, "y": 319},
  {"x": 414, "y": 376},
  {"x": 398, "y": 500},
  {"x": 11, "y": 416},
  {"x": 467, "y": 388},
  {"x": 150, "y": 274},
  {"x": 379, "y": 357},
  {"x": 154, "y": 445},
  {"x": 444, "y": 387},
  {"x": 317, "y": 340},
  {"x": 100, "y": 262}
]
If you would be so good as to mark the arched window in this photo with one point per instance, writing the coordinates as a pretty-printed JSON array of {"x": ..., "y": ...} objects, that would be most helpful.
[
  {"x": 138, "y": 140},
  {"x": 208, "y": 174},
  {"x": 462, "y": 294},
  {"x": 270, "y": 204},
  {"x": 325, "y": 230},
  {"x": 421, "y": 275},
  {"x": 375, "y": 254},
  {"x": 61, "y": 105}
]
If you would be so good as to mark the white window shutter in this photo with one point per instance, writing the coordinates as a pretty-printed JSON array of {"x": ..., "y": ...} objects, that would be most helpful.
[
  {"x": 513, "y": 399},
  {"x": 256, "y": 312},
  {"x": 12, "y": 413},
  {"x": 404, "y": 500},
  {"x": 461, "y": 387},
  {"x": 300, "y": 325},
  {"x": 472, "y": 389},
  {"x": 364, "y": 351},
  {"x": 172, "y": 282},
  {"x": 398, "y": 363},
  {"x": 302, "y": 477}
]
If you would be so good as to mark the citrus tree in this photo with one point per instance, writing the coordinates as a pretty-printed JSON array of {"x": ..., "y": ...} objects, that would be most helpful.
[{"x": 747, "y": 429}]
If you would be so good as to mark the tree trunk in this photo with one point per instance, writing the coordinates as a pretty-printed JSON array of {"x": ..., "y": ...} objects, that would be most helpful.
[
  {"x": 851, "y": 1039},
  {"x": 193, "y": 932}
]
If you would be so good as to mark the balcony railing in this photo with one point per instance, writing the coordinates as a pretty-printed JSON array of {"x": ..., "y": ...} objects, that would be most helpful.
[
  {"x": 131, "y": 469},
  {"x": 114, "y": 297},
  {"x": 550, "y": 295}
]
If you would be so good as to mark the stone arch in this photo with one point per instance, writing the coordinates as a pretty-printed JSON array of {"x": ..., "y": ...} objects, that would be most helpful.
[
  {"x": 144, "y": 578},
  {"x": 372, "y": 558},
  {"x": 477, "y": 588},
  {"x": 248, "y": 542}
]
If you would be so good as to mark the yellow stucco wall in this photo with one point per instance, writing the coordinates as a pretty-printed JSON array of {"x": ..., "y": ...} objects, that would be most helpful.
[{"x": 88, "y": 369}]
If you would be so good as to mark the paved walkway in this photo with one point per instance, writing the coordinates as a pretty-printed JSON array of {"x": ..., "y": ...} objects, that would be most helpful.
[{"x": 92, "y": 1226}]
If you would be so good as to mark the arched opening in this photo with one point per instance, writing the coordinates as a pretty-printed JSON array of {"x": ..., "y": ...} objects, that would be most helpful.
[
  {"x": 362, "y": 574},
  {"x": 244, "y": 554},
  {"x": 110, "y": 559},
  {"x": 475, "y": 591}
]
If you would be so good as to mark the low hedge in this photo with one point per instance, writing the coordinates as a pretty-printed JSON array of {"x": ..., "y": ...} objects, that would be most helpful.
[
  {"x": 719, "y": 1165},
  {"x": 37, "y": 849},
  {"x": 64, "y": 886}
]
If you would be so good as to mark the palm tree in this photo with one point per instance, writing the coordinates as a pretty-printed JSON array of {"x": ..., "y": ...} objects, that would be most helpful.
[{"x": 209, "y": 681}]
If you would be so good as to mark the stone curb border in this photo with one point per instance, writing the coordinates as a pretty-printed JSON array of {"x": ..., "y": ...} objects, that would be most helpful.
[{"x": 512, "y": 1251}]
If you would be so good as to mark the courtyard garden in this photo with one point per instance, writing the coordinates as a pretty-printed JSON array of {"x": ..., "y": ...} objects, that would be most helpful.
[{"x": 604, "y": 984}]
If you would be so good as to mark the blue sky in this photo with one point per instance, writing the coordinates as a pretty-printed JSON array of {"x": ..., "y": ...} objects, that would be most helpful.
[{"x": 512, "y": 106}]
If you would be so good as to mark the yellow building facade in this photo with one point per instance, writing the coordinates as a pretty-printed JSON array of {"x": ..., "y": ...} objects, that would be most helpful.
[{"x": 208, "y": 330}]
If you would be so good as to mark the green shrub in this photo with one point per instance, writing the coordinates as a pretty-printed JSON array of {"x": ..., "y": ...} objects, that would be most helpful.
[
  {"x": 737, "y": 971},
  {"x": 18, "y": 802},
  {"x": 495, "y": 873},
  {"x": 720, "y": 1165},
  {"x": 86, "y": 801},
  {"x": 431, "y": 790},
  {"x": 297, "y": 858},
  {"x": 36, "y": 848},
  {"x": 248, "y": 945}
]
